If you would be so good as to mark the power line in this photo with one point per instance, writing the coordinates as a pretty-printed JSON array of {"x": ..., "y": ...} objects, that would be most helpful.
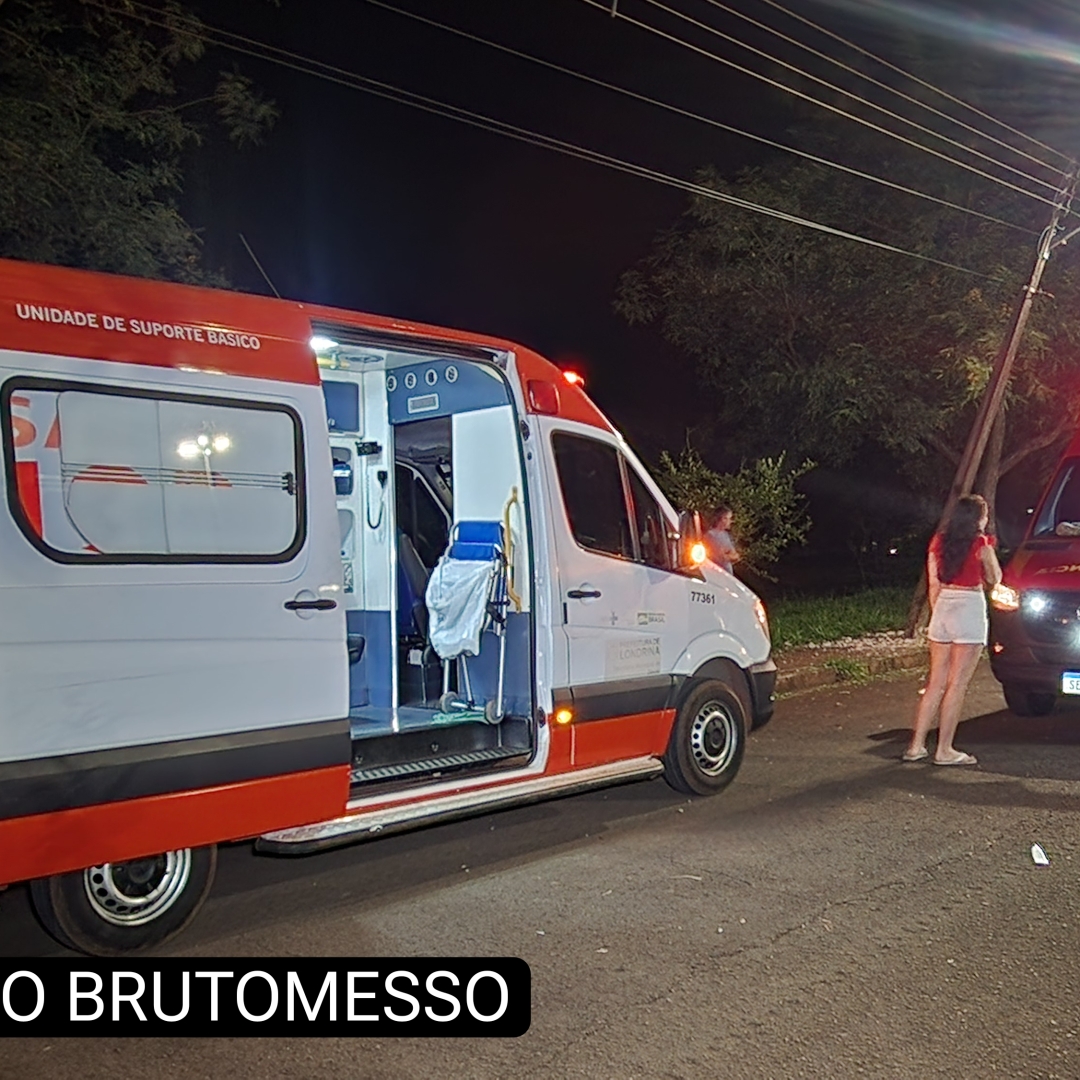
[
  {"x": 331, "y": 73},
  {"x": 816, "y": 101},
  {"x": 915, "y": 78},
  {"x": 676, "y": 110},
  {"x": 877, "y": 82},
  {"x": 846, "y": 93}
]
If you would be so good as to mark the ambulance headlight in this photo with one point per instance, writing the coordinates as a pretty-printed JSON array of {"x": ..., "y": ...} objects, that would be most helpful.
[
  {"x": 762, "y": 618},
  {"x": 1006, "y": 598}
]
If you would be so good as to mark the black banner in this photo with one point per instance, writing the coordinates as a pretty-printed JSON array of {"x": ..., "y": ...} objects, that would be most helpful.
[{"x": 413, "y": 996}]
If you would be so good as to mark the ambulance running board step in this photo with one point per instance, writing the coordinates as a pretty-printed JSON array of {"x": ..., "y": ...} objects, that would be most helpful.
[
  {"x": 435, "y": 764},
  {"x": 366, "y": 824}
]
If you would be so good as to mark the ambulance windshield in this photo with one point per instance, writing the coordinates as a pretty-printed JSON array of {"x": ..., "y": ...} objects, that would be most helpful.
[{"x": 1060, "y": 513}]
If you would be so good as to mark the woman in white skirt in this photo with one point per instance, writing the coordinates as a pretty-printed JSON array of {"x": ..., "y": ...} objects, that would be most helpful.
[{"x": 960, "y": 564}]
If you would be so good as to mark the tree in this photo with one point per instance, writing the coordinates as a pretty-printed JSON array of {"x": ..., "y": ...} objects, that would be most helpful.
[
  {"x": 769, "y": 513},
  {"x": 94, "y": 127},
  {"x": 821, "y": 346}
]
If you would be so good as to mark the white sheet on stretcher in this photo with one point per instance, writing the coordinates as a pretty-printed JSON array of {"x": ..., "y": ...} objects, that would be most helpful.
[{"x": 457, "y": 596}]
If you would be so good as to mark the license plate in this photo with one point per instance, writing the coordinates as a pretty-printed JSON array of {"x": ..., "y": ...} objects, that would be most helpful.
[{"x": 1070, "y": 682}]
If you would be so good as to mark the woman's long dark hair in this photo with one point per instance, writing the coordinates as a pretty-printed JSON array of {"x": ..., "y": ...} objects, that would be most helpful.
[{"x": 959, "y": 534}]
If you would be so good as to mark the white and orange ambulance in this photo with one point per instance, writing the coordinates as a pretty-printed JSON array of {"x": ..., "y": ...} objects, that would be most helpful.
[{"x": 279, "y": 572}]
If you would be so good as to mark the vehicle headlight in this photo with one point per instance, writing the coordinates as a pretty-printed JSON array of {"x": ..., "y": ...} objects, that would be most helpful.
[
  {"x": 762, "y": 618},
  {"x": 1005, "y": 598},
  {"x": 1035, "y": 602}
]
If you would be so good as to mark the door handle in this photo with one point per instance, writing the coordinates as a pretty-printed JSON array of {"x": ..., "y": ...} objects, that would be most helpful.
[
  {"x": 584, "y": 594},
  {"x": 310, "y": 605}
]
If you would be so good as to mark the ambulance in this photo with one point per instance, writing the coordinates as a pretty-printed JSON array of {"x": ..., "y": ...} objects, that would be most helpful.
[
  {"x": 1035, "y": 611},
  {"x": 281, "y": 573}
]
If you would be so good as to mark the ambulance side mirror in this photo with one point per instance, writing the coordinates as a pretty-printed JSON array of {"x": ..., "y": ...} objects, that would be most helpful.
[{"x": 690, "y": 548}]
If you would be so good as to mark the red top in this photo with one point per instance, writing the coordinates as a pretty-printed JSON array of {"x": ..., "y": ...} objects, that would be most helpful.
[{"x": 971, "y": 569}]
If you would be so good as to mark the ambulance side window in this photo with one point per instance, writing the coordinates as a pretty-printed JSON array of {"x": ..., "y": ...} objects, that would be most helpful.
[
  {"x": 146, "y": 477},
  {"x": 1060, "y": 514},
  {"x": 592, "y": 489},
  {"x": 650, "y": 524}
]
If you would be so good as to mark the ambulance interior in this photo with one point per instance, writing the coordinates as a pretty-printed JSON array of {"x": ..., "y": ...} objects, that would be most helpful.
[{"x": 435, "y": 558}]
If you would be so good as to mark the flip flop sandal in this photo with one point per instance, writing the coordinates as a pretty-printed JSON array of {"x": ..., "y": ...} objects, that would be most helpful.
[
  {"x": 917, "y": 756},
  {"x": 960, "y": 759}
]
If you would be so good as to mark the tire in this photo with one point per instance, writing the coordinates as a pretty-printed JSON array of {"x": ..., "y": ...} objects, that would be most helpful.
[
  {"x": 119, "y": 908},
  {"x": 708, "y": 740},
  {"x": 1028, "y": 702}
]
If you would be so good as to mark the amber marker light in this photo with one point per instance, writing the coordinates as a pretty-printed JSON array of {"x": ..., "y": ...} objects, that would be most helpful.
[
  {"x": 563, "y": 716},
  {"x": 698, "y": 554}
]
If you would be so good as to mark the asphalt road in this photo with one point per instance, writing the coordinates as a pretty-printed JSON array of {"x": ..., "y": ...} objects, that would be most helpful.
[{"x": 834, "y": 913}]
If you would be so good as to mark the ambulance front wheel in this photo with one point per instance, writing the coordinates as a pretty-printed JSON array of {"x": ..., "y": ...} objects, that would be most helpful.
[
  {"x": 118, "y": 908},
  {"x": 707, "y": 740}
]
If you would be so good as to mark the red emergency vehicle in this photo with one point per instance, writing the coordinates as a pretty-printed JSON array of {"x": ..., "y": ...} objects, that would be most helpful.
[{"x": 1035, "y": 612}]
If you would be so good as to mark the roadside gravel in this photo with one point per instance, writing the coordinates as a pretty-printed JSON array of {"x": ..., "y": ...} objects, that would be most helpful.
[{"x": 848, "y": 660}]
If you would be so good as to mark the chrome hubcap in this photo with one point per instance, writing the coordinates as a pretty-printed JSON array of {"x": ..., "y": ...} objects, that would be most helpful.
[
  {"x": 713, "y": 738},
  {"x": 137, "y": 892}
]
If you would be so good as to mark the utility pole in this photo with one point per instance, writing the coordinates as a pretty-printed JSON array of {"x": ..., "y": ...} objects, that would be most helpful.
[{"x": 994, "y": 394}]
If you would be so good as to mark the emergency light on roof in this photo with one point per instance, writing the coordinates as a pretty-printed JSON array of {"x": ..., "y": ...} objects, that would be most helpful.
[{"x": 574, "y": 378}]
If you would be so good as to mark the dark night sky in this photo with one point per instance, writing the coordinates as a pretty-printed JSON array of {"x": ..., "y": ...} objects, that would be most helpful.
[{"x": 372, "y": 205}]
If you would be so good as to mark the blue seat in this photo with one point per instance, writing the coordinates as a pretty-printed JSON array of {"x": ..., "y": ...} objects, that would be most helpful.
[
  {"x": 412, "y": 580},
  {"x": 477, "y": 541}
]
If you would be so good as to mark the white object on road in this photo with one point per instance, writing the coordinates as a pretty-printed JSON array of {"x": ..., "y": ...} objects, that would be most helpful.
[{"x": 1038, "y": 856}]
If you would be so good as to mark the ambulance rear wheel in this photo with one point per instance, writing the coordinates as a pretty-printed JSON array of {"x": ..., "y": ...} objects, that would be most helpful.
[
  {"x": 118, "y": 908},
  {"x": 708, "y": 740}
]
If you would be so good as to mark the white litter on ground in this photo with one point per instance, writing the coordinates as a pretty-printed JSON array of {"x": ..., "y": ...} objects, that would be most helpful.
[{"x": 1038, "y": 856}]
